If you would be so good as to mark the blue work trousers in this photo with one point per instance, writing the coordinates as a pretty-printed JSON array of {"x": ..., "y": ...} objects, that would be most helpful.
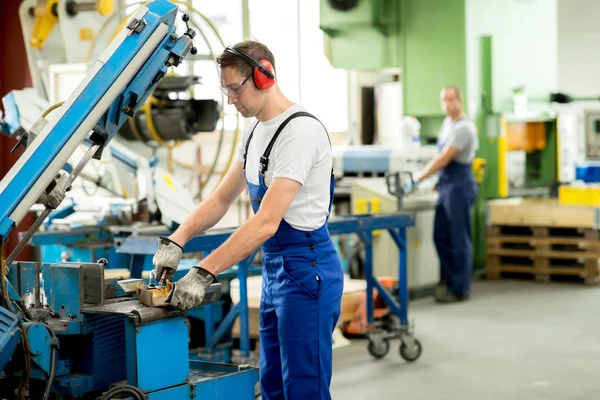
[{"x": 452, "y": 232}]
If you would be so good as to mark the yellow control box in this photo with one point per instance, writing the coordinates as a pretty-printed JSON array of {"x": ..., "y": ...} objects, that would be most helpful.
[
  {"x": 579, "y": 195},
  {"x": 368, "y": 206}
]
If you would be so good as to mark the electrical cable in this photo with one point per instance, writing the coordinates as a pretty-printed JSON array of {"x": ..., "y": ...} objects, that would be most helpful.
[
  {"x": 52, "y": 108},
  {"x": 105, "y": 24},
  {"x": 147, "y": 108},
  {"x": 134, "y": 130},
  {"x": 88, "y": 191},
  {"x": 25, "y": 340},
  {"x": 4, "y": 293},
  {"x": 221, "y": 111},
  {"x": 124, "y": 389},
  {"x": 191, "y": 8},
  {"x": 27, "y": 354},
  {"x": 52, "y": 373},
  {"x": 20, "y": 306},
  {"x": 51, "y": 376},
  {"x": 233, "y": 149}
]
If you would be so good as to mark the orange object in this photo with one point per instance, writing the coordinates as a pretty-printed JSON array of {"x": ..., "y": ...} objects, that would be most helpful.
[
  {"x": 526, "y": 136},
  {"x": 358, "y": 324}
]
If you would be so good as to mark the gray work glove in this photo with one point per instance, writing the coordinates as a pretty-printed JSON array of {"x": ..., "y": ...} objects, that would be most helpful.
[
  {"x": 410, "y": 186},
  {"x": 168, "y": 256},
  {"x": 189, "y": 291}
]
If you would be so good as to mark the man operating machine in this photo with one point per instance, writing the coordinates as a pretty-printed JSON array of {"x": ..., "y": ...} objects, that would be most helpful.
[
  {"x": 65, "y": 330},
  {"x": 457, "y": 145}
]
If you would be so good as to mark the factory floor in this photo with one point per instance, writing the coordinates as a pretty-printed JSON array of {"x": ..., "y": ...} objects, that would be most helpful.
[{"x": 511, "y": 340}]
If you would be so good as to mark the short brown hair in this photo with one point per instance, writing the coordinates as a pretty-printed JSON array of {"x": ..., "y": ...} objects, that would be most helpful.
[
  {"x": 254, "y": 49},
  {"x": 456, "y": 90}
]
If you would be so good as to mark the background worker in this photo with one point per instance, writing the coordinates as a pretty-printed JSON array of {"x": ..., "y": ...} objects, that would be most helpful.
[
  {"x": 457, "y": 144},
  {"x": 285, "y": 162}
]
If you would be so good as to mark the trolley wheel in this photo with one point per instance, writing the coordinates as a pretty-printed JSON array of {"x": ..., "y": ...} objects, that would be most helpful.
[
  {"x": 410, "y": 354},
  {"x": 379, "y": 351}
]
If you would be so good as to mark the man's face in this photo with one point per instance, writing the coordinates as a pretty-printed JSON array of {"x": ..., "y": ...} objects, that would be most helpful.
[
  {"x": 451, "y": 105},
  {"x": 240, "y": 91}
]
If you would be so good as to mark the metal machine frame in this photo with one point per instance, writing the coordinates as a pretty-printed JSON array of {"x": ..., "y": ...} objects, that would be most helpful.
[
  {"x": 143, "y": 248},
  {"x": 82, "y": 334}
]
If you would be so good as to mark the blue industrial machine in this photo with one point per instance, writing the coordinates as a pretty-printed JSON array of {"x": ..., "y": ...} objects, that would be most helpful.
[
  {"x": 65, "y": 330},
  {"x": 142, "y": 249}
]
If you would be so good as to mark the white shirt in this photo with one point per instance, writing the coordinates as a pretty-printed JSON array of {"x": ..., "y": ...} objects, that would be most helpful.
[{"x": 302, "y": 152}]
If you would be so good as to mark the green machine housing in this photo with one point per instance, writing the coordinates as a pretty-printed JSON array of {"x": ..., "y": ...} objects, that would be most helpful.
[{"x": 426, "y": 40}]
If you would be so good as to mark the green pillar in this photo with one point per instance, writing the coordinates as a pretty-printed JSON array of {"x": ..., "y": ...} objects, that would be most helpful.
[
  {"x": 246, "y": 20},
  {"x": 487, "y": 132}
]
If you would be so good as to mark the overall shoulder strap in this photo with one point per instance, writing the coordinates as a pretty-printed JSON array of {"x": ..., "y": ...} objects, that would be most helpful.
[
  {"x": 248, "y": 143},
  {"x": 264, "y": 160}
]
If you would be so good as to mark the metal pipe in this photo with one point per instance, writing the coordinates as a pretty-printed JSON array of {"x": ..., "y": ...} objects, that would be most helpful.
[
  {"x": 37, "y": 268},
  {"x": 74, "y": 8},
  {"x": 486, "y": 70},
  {"x": 38, "y": 222}
]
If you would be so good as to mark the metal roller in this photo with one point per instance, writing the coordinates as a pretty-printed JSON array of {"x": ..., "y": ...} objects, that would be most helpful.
[{"x": 149, "y": 314}]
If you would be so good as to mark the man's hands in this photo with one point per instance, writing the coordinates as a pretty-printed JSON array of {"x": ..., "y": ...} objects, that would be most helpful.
[
  {"x": 168, "y": 256},
  {"x": 189, "y": 291},
  {"x": 410, "y": 186}
]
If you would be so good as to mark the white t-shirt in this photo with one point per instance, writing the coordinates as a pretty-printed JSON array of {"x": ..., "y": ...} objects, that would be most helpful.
[{"x": 302, "y": 152}]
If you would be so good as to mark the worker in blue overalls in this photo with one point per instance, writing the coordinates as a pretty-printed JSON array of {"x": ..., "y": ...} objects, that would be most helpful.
[
  {"x": 457, "y": 190},
  {"x": 285, "y": 161}
]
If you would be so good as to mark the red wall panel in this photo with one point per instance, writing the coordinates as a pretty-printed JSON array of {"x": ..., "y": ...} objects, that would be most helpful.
[{"x": 14, "y": 75}]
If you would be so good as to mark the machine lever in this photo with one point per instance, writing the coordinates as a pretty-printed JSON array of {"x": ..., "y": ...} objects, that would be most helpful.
[
  {"x": 395, "y": 186},
  {"x": 21, "y": 142},
  {"x": 394, "y": 182},
  {"x": 189, "y": 33},
  {"x": 161, "y": 282}
]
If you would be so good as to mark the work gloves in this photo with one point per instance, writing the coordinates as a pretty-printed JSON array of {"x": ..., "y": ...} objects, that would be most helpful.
[
  {"x": 189, "y": 291},
  {"x": 410, "y": 186},
  {"x": 168, "y": 256}
]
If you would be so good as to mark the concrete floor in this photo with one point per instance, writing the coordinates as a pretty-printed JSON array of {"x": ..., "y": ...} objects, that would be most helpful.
[{"x": 512, "y": 340}]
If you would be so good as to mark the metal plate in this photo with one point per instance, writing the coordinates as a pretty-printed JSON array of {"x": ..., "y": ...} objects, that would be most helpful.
[
  {"x": 205, "y": 375},
  {"x": 120, "y": 307},
  {"x": 136, "y": 310},
  {"x": 140, "y": 313},
  {"x": 93, "y": 283}
]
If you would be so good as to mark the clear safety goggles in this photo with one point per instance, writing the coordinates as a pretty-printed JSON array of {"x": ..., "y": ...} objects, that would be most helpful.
[{"x": 236, "y": 89}]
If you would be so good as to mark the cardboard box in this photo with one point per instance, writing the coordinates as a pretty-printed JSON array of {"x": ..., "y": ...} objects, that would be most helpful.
[{"x": 353, "y": 296}]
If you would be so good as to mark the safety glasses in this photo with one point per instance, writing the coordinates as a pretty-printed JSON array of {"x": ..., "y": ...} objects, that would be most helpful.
[{"x": 236, "y": 89}]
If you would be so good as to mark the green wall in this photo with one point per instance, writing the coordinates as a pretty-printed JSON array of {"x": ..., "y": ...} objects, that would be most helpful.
[
  {"x": 365, "y": 37},
  {"x": 433, "y": 49},
  {"x": 425, "y": 38}
]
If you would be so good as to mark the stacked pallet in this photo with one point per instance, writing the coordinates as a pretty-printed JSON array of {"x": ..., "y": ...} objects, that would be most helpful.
[
  {"x": 543, "y": 252},
  {"x": 542, "y": 239}
]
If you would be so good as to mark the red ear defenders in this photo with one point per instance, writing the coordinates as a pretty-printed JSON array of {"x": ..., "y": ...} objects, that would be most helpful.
[{"x": 262, "y": 71}]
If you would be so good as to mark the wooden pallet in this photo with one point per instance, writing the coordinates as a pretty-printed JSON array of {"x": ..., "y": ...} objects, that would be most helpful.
[{"x": 543, "y": 252}]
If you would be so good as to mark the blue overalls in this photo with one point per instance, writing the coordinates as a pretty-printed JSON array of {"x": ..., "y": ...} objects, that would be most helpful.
[
  {"x": 300, "y": 301},
  {"x": 457, "y": 191}
]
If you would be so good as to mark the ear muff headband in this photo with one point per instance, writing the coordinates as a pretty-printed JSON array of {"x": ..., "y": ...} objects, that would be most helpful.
[{"x": 262, "y": 76}]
